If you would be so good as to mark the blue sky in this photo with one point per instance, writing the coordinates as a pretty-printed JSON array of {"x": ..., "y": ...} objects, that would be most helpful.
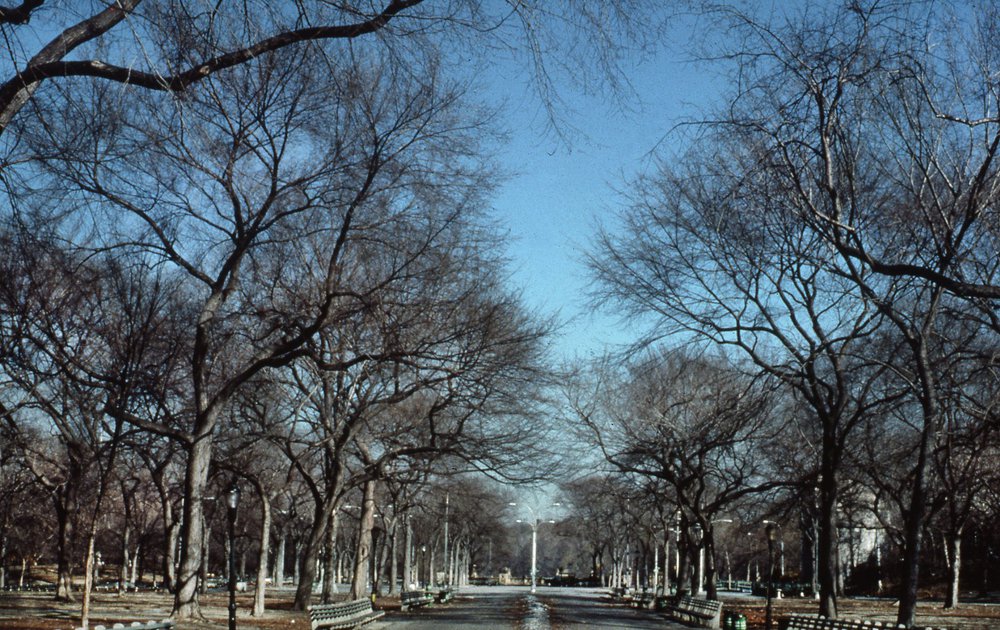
[{"x": 559, "y": 191}]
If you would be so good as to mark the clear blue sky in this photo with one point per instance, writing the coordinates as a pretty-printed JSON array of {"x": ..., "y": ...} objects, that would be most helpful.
[{"x": 558, "y": 192}]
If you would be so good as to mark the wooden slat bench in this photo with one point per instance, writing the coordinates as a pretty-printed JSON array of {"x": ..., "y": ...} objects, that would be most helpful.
[
  {"x": 415, "y": 599},
  {"x": 166, "y": 624},
  {"x": 818, "y": 622},
  {"x": 445, "y": 595},
  {"x": 642, "y": 599},
  {"x": 618, "y": 592},
  {"x": 701, "y": 612},
  {"x": 343, "y": 615}
]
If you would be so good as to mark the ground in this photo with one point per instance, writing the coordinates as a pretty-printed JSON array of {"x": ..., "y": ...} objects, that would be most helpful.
[{"x": 38, "y": 611}]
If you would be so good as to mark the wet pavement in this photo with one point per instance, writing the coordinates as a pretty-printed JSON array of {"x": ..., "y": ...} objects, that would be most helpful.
[{"x": 516, "y": 607}]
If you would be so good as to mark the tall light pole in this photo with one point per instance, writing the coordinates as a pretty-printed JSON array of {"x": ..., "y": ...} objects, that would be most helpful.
[
  {"x": 447, "y": 559},
  {"x": 534, "y": 523},
  {"x": 233, "y": 502},
  {"x": 772, "y": 534},
  {"x": 781, "y": 546}
]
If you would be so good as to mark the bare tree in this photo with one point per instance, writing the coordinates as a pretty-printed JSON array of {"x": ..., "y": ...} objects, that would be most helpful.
[{"x": 694, "y": 424}]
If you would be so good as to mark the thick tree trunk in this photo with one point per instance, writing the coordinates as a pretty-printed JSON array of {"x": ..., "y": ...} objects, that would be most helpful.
[
  {"x": 711, "y": 572},
  {"x": 196, "y": 478},
  {"x": 393, "y": 561},
  {"x": 265, "y": 543},
  {"x": 914, "y": 524},
  {"x": 330, "y": 560},
  {"x": 359, "y": 581},
  {"x": 279, "y": 558},
  {"x": 307, "y": 555},
  {"x": 827, "y": 534},
  {"x": 205, "y": 556},
  {"x": 954, "y": 568},
  {"x": 683, "y": 570},
  {"x": 408, "y": 556}
]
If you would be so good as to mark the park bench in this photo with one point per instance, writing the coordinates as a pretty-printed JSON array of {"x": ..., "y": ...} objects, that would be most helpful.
[
  {"x": 445, "y": 595},
  {"x": 701, "y": 612},
  {"x": 343, "y": 615},
  {"x": 818, "y": 622},
  {"x": 415, "y": 599},
  {"x": 642, "y": 599},
  {"x": 619, "y": 592},
  {"x": 166, "y": 624}
]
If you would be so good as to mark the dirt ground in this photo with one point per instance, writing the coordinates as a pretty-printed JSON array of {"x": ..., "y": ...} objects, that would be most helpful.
[{"x": 39, "y": 611}]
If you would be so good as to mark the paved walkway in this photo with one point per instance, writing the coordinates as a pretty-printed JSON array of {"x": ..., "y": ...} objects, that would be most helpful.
[{"x": 515, "y": 607}]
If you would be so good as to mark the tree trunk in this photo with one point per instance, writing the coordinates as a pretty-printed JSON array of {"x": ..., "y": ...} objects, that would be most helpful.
[
  {"x": 827, "y": 535},
  {"x": 88, "y": 579},
  {"x": 65, "y": 511},
  {"x": 330, "y": 560},
  {"x": 914, "y": 523},
  {"x": 408, "y": 557},
  {"x": 711, "y": 573},
  {"x": 265, "y": 543},
  {"x": 393, "y": 561},
  {"x": 359, "y": 581},
  {"x": 307, "y": 554},
  {"x": 279, "y": 558},
  {"x": 954, "y": 553},
  {"x": 196, "y": 478},
  {"x": 3, "y": 562},
  {"x": 135, "y": 567},
  {"x": 123, "y": 570},
  {"x": 683, "y": 569},
  {"x": 205, "y": 556},
  {"x": 170, "y": 557}
]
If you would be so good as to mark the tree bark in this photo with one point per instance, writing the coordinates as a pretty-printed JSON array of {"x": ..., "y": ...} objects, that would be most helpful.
[
  {"x": 265, "y": 543},
  {"x": 330, "y": 560},
  {"x": 279, "y": 558},
  {"x": 307, "y": 553},
  {"x": 196, "y": 478},
  {"x": 954, "y": 568},
  {"x": 827, "y": 535},
  {"x": 393, "y": 561},
  {"x": 408, "y": 556},
  {"x": 359, "y": 581},
  {"x": 65, "y": 504}
]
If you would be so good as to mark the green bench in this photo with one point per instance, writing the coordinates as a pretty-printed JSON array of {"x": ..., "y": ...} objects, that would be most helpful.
[
  {"x": 166, "y": 624},
  {"x": 350, "y": 614},
  {"x": 818, "y": 622},
  {"x": 701, "y": 612},
  {"x": 415, "y": 599}
]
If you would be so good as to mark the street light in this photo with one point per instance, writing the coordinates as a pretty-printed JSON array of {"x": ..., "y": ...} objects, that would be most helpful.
[
  {"x": 534, "y": 523},
  {"x": 233, "y": 502},
  {"x": 772, "y": 534},
  {"x": 781, "y": 548}
]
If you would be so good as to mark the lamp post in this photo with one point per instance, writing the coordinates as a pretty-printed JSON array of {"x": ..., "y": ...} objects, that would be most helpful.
[
  {"x": 772, "y": 534},
  {"x": 233, "y": 502},
  {"x": 781, "y": 547},
  {"x": 534, "y": 523},
  {"x": 447, "y": 558},
  {"x": 423, "y": 554}
]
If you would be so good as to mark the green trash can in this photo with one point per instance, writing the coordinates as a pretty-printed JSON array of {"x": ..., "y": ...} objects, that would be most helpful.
[
  {"x": 729, "y": 621},
  {"x": 740, "y": 622}
]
